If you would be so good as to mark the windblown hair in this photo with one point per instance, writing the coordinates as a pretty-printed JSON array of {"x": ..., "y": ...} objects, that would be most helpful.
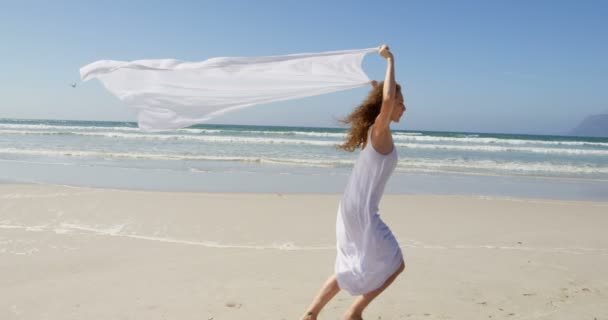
[{"x": 362, "y": 118}]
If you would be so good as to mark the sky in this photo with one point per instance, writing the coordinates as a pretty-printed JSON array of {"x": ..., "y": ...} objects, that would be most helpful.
[{"x": 537, "y": 67}]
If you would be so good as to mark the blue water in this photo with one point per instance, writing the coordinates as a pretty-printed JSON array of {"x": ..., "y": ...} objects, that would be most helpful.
[{"x": 237, "y": 158}]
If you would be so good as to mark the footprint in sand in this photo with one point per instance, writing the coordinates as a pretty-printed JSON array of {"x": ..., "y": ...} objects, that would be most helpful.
[
  {"x": 567, "y": 293},
  {"x": 510, "y": 314},
  {"x": 233, "y": 305}
]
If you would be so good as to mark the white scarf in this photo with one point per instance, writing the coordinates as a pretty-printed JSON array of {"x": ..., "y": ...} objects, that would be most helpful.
[{"x": 170, "y": 94}]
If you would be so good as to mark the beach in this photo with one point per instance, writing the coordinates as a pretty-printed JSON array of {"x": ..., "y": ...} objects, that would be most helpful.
[
  {"x": 92, "y": 253},
  {"x": 204, "y": 160}
]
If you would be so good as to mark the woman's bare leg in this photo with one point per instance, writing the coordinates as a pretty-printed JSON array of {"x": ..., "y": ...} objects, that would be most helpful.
[
  {"x": 328, "y": 291},
  {"x": 356, "y": 309}
]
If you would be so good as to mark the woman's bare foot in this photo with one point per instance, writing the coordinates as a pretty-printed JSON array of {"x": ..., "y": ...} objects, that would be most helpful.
[
  {"x": 352, "y": 316},
  {"x": 309, "y": 316}
]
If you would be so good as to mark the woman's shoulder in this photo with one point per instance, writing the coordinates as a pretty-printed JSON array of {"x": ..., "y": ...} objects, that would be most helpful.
[{"x": 381, "y": 139}]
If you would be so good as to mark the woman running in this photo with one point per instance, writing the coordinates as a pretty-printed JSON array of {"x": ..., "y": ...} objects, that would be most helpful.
[{"x": 368, "y": 255}]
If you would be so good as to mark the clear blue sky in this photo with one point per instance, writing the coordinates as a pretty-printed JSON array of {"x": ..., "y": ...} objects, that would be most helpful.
[{"x": 480, "y": 66}]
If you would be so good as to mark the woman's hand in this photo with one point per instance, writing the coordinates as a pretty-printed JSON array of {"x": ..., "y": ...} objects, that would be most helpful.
[{"x": 384, "y": 51}]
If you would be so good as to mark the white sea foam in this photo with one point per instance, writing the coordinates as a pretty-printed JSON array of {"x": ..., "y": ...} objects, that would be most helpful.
[
  {"x": 405, "y": 164},
  {"x": 501, "y": 149},
  {"x": 202, "y": 138},
  {"x": 55, "y": 129},
  {"x": 266, "y": 140},
  {"x": 309, "y": 162},
  {"x": 62, "y": 128},
  {"x": 154, "y": 156},
  {"x": 498, "y": 141},
  {"x": 281, "y": 149},
  {"x": 115, "y": 231},
  {"x": 409, "y": 140},
  {"x": 457, "y": 165},
  {"x": 398, "y": 135}
]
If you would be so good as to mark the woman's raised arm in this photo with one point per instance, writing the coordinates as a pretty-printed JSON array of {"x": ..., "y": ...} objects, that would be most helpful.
[{"x": 381, "y": 136}]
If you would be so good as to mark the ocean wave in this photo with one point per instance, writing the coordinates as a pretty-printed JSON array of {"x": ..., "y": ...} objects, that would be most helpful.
[
  {"x": 324, "y": 143},
  {"x": 44, "y": 129},
  {"x": 76, "y": 129},
  {"x": 501, "y": 149},
  {"x": 261, "y": 140},
  {"x": 164, "y": 156},
  {"x": 458, "y": 165},
  {"x": 404, "y": 164},
  {"x": 62, "y": 128},
  {"x": 204, "y": 138},
  {"x": 233, "y": 135},
  {"x": 497, "y": 141}
]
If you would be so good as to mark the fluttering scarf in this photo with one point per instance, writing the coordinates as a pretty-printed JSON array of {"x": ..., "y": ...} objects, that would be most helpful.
[{"x": 171, "y": 94}]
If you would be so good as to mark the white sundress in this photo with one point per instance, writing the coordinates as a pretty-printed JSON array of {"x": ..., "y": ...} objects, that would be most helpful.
[{"x": 367, "y": 251}]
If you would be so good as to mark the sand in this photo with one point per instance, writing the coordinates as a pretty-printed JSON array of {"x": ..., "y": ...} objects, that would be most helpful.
[{"x": 81, "y": 253}]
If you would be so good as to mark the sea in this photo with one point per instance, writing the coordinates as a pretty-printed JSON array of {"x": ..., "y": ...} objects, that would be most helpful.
[{"x": 274, "y": 159}]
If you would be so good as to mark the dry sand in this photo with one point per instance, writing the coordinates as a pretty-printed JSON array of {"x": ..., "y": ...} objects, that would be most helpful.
[{"x": 79, "y": 253}]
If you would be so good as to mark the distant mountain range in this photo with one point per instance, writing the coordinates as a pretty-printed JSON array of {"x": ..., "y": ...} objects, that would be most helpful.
[{"x": 593, "y": 126}]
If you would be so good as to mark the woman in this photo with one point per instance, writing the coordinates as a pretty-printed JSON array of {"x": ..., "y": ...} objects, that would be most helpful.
[{"x": 368, "y": 256}]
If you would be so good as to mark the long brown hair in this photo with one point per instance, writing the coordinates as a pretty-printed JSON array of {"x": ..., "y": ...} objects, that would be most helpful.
[{"x": 362, "y": 118}]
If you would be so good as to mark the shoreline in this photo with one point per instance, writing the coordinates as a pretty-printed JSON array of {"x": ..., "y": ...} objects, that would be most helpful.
[
  {"x": 261, "y": 182},
  {"x": 8, "y": 184}
]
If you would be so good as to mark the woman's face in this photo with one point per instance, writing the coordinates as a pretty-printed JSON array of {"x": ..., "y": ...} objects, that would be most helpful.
[{"x": 399, "y": 108}]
